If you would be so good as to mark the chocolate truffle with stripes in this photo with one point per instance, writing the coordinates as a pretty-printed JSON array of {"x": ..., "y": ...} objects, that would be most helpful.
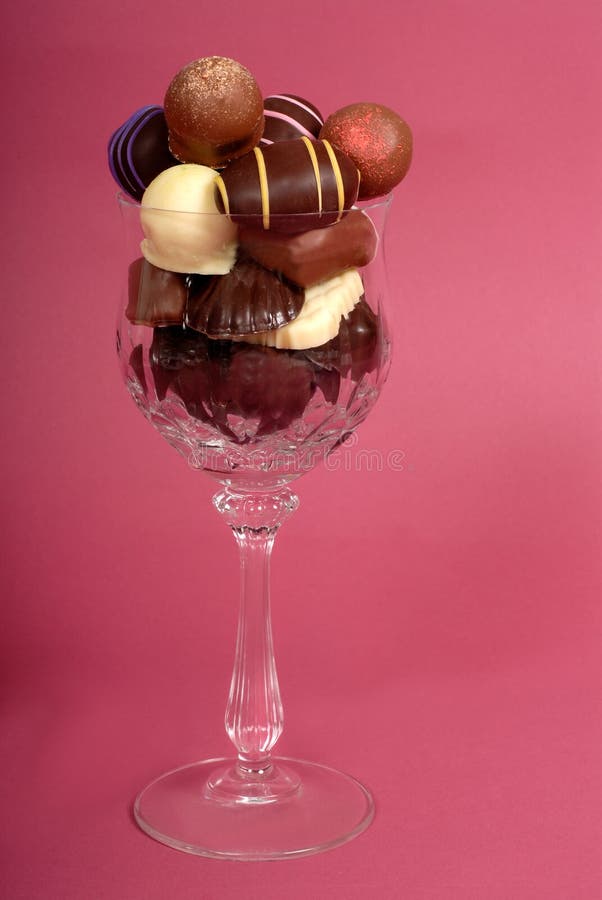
[
  {"x": 272, "y": 188},
  {"x": 139, "y": 150},
  {"x": 288, "y": 117}
]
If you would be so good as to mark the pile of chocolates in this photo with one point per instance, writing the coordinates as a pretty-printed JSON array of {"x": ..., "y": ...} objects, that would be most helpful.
[{"x": 258, "y": 301}]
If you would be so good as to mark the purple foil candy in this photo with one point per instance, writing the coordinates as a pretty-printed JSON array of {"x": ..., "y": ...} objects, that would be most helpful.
[{"x": 138, "y": 150}]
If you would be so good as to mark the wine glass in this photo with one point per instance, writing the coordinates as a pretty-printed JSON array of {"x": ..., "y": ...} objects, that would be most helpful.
[{"x": 254, "y": 418}]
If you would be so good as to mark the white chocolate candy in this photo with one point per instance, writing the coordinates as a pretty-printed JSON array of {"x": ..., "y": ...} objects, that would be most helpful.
[
  {"x": 184, "y": 231},
  {"x": 320, "y": 317}
]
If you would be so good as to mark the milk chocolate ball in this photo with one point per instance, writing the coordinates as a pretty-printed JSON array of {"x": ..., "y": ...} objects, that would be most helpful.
[
  {"x": 377, "y": 140},
  {"x": 214, "y": 112}
]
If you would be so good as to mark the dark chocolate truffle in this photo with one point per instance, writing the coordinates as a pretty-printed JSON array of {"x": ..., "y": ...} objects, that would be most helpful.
[
  {"x": 214, "y": 111},
  {"x": 288, "y": 117},
  {"x": 377, "y": 140},
  {"x": 289, "y": 177},
  {"x": 139, "y": 150}
]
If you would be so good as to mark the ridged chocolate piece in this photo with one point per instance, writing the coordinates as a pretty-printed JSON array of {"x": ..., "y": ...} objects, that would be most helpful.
[
  {"x": 155, "y": 296},
  {"x": 312, "y": 256},
  {"x": 247, "y": 300},
  {"x": 290, "y": 186},
  {"x": 319, "y": 321},
  {"x": 139, "y": 150},
  {"x": 288, "y": 117}
]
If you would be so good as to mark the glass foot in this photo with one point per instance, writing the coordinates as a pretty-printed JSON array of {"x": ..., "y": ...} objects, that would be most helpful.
[{"x": 294, "y": 809}]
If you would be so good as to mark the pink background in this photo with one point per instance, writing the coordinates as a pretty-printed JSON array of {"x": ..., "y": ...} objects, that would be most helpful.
[{"x": 438, "y": 627}]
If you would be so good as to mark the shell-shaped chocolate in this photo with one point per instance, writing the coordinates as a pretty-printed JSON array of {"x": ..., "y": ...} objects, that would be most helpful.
[
  {"x": 288, "y": 117},
  {"x": 289, "y": 186},
  {"x": 139, "y": 150},
  {"x": 247, "y": 300}
]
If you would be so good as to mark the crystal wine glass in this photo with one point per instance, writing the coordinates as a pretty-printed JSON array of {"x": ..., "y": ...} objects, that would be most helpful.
[{"x": 254, "y": 418}]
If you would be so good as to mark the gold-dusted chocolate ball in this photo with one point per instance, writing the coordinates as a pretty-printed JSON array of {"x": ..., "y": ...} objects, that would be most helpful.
[{"x": 214, "y": 112}]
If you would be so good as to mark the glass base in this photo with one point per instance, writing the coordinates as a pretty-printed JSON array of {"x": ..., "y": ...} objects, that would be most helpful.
[{"x": 296, "y": 809}]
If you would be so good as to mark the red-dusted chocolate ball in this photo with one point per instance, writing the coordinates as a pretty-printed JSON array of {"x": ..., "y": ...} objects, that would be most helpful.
[
  {"x": 377, "y": 140},
  {"x": 214, "y": 111}
]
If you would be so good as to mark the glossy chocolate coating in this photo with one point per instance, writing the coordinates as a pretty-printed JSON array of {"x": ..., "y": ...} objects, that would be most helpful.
[
  {"x": 214, "y": 111},
  {"x": 288, "y": 117},
  {"x": 155, "y": 296},
  {"x": 312, "y": 256},
  {"x": 247, "y": 300},
  {"x": 377, "y": 140},
  {"x": 139, "y": 151},
  {"x": 291, "y": 186}
]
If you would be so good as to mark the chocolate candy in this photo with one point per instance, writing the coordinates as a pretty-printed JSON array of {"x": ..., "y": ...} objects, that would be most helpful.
[
  {"x": 245, "y": 391},
  {"x": 354, "y": 350},
  {"x": 261, "y": 383},
  {"x": 313, "y": 255},
  {"x": 289, "y": 177},
  {"x": 139, "y": 150},
  {"x": 288, "y": 117},
  {"x": 217, "y": 380},
  {"x": 173, "y": 350},
  {"x": 155, "y": 296},
  {"x": 377, "y": 140},
  {"x": 182, "y": 228},
  {"x": 136, "y": 362},
  {"x": 214, "y": 111},
  {"x": 248, "y": 300},
  {"x": 320, "y": 317}
]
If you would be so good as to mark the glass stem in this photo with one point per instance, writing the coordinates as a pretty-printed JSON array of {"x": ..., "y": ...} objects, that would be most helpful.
[{"x": 254, "y": 714}]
